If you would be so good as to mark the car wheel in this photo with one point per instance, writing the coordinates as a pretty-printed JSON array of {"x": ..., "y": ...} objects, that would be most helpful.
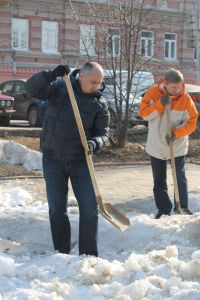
[
  {"x": 5, "y": 121},
  {"x": 34, "y": 116}
]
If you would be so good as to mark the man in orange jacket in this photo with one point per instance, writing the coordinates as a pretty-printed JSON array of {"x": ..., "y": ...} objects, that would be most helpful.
[{"x": 183, "y": 118}]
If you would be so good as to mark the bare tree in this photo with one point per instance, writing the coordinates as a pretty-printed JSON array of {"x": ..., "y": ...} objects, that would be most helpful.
[{"x": 117, "y": 47}]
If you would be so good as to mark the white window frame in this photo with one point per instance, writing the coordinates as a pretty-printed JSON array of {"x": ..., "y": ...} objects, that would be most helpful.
[
  {"x": 20, "y": 28},
  {"x": 146, "y": 41},
  {"x": 170, "y": 42},
  {"x": 49, "y": 37},
  {"x": 115, "y": 39},
  {"x": 87, "y": 39}
]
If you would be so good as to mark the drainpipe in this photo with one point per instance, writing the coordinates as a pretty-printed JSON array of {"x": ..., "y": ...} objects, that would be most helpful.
[
  {"x": 14, "y": 68},
  {"x": 13, "y": 53},
  {"x": 197, "y": 22}
]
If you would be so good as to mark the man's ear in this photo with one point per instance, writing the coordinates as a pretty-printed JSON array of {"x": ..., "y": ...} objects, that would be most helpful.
[
  {"x": 80, "y": 76},
  {"x": 163, "y": 84},
  {"x": 102, "y": 87}
]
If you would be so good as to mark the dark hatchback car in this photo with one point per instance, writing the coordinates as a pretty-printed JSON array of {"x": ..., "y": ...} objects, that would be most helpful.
[{"x": 26, "y": 107}]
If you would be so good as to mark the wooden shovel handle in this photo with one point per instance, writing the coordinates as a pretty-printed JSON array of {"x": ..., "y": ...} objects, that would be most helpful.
[
  {"x": 84, "y": 142},
  {"x": 173, "y": 164}
]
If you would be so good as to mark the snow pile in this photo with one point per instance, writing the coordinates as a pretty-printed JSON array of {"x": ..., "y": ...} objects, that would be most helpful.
[
  {"x": 153, "y": 259},
  {"x": 156, "y": 275},
  {"x": 7, "y": 266},
  {"x": 15, "y": 197},
  {"x": 18, "y": 154}
]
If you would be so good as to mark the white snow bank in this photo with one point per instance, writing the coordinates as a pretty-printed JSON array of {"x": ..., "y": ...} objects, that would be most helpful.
[
  {"x": 15, "y": 197},
  {"x": 60, "y": 276},
  {"x": 153, "y": 259},
  {"x": 18, "y": 154}
]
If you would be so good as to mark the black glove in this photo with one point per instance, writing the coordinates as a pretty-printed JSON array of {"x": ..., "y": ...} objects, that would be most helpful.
[
  {"x": 165, "y": 99},
  {"x": 60, "y": 71},
  {"x": 92, "y": 145},
  {"x": 170, "y": 138}
]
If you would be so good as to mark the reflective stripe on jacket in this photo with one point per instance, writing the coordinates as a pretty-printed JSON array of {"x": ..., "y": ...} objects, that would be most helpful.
[{"x": 183, "y": 118}]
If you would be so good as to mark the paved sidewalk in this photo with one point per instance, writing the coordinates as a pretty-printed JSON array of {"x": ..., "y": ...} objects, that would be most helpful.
[{"x": 127, "y": 187}]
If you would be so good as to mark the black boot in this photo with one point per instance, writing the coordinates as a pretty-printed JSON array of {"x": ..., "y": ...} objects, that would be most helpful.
[
  {"x": 160, "y": 213},
  {"x": 184, "y": 211}
]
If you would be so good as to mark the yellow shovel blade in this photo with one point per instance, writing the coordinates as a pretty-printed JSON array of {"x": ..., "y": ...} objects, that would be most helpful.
[{"x": 116, "y": 218}]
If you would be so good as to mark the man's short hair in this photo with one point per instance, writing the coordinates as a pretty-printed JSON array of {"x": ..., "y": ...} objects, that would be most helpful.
[
  {"x": 174, "y": 76},
  {"x": 90, "y": 66}
]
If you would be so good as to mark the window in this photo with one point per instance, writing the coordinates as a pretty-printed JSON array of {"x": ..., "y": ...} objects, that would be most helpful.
[
  {"x": 20, "y": 34},
  {"x": 161, "y": 4},
  {"x": 20, "y": 87},
  {"x": 191, "y": 42},
  {"x": 49, "y": 37},
  {"x": 146, "y": 44},
  {"x": 170, "y": 45},
  {"x": 7, "y": 87},
  {"x": 113, "y": 42},
  {"x": 87, "y": 39}
]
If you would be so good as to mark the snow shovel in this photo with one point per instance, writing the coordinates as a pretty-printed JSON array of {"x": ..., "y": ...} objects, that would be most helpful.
[
  {"x": 107, "y": 210},
  {"x": 173, "y": 164}
]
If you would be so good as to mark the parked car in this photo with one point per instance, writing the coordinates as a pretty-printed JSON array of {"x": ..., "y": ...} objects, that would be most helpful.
[
  {"x": 26, "y": 107},
  {"x": 134, "y": 106},
  {"x": 142, "y": 80},
  {"x": 194, "y": 92},
  {"x": 6, "y": 109}
]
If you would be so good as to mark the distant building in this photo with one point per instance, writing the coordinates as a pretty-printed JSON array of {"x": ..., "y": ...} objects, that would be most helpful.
[{"x": 37, "y": 35}]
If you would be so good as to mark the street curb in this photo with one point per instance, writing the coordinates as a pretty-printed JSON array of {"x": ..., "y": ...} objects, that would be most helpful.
[
  {"x": 121, "y": 164},
  {"x": 194, "y": 161},
  {"x": 98, "y": 165},
  {"x": 36, "y": 131},
  {"x": 21, "y": 177},
  {"x": 27, "y": 132}
]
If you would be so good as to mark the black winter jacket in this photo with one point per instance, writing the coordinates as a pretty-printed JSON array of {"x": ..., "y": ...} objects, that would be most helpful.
[{"x": 60, "y": 137}]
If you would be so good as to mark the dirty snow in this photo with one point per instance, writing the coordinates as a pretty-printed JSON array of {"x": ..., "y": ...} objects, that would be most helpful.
[
  {"x": 153, "y": 259},
  {"x": 18, "y": 154}
]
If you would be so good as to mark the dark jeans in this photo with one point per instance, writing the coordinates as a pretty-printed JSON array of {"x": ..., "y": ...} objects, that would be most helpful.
[
  {"x": 56, "y": 174},
  {"x": 160, "y": 189}
]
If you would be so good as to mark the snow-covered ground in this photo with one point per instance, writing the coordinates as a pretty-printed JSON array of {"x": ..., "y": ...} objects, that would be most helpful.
[{"x": 153, "y": 259}]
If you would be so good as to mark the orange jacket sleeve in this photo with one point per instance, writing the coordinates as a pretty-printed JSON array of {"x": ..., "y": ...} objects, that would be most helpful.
[
  {"x": 150, "y": 106},
  {"x": 190, "y": 126}
]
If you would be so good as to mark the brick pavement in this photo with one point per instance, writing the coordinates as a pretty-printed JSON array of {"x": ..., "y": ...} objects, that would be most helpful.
[{"x": 127, "y": 187}]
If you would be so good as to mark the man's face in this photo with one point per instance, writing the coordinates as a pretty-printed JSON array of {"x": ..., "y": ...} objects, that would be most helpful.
[
  {"x": 90, "y": 81},
  {"x": 174, "y": 89}
]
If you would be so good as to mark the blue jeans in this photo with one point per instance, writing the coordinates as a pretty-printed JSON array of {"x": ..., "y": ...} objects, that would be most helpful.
[
  {"x": 56, "y": 174},
  {"x": 160, "y": 189}
]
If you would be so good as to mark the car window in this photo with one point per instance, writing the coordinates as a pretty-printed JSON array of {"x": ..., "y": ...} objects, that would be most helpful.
[
  {"x": 19, "y": 88},
  {"x": 7, "y": 87},
  {"x": 108, "y": 80}
]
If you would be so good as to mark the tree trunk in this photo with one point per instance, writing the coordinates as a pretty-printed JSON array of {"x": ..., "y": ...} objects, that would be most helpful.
[{"x": 122, "y": 136}]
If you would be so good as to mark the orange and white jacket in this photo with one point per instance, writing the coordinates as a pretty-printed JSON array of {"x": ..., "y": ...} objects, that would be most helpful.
[{"x": 183, "y": 118}]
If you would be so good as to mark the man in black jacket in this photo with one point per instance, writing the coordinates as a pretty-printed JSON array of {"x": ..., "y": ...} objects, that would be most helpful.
[{"x": 63, "y": 153}]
